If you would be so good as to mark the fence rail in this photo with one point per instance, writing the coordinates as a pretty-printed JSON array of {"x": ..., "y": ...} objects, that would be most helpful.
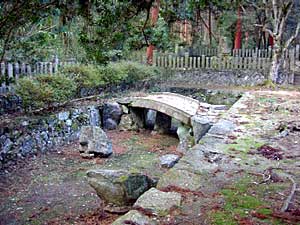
[
  {"x": 11, "y": 72},
  {"x": 250, "y": 59}
]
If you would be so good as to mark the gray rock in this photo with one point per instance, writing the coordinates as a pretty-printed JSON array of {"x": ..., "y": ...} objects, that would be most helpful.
[
  {"x": 62, "y": 116},
  {"x": 94, "y": 116},
  {"x": 118, "y": 187},
  {"x": 111, "y": 115},
  {"x": 158, "y": 202},
  {"x": 69, "y": 122},
  {"x": 44, "y": 135},
  {"x": 150, "y": 118},
  {"x": 201, "y": 125},
  {"x": 134, "y": 217},
  {"x": 168, "y": 160},
  {"x": 125, "y": 109},
  {"x": 174, "y": 125},
  {"x": 25, "y": 123},
  {"x": 93, "y": 140},
  {"x": 138, "y": 117},
  {"x": 222, "y": 127},
  {"x": 28, "y": 145},
  {"x": 219, "y": 107},
  {"x": 186, "y": 141},
  {"x": 126, "y": 122},
  {"x": 110, "y": 124},
  {"x": 7, "y": 145}
]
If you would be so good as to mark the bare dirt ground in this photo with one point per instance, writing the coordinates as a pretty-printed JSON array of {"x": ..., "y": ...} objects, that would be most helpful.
[{"x": 52, "y": 188}]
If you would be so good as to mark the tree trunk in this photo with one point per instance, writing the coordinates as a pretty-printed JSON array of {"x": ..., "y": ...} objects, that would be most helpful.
[
  {"x": 209, "y": 25},
  {"x": 276, "y": 66},
  {"x": 154, "y": 18},
  {"x": 238, "y": 33}
]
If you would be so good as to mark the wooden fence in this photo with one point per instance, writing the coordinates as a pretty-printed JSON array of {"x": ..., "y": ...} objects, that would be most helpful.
[
  {"x": 11, "y": 72},
  {"x": 241, "y": 59}
]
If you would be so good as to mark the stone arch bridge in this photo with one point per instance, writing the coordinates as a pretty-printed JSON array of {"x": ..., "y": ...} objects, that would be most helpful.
[{"x": 197, "y": 115}]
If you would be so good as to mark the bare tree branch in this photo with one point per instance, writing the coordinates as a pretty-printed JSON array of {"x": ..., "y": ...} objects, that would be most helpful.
[
  {"x": 293, "y": 37},
  {"x": 264, "y": 28}
]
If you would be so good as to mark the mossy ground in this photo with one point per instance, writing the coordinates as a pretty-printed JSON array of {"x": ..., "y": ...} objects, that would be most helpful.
[{"x": 247, "y": 200}]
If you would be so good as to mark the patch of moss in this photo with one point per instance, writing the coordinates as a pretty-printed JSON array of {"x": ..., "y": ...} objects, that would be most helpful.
[
  {"x": 75, "y": 126},
  {"x": 123, "y": 178},
  {"x": 241, "y": 199},
  {"x": 222, "y": 218},
  {"x": 244, "y": 145},
  {"x": 267, "y": 100}
]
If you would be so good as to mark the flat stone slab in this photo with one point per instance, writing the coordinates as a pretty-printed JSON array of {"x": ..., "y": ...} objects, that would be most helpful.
[
  {"x": 222, "y": 127},
  {"x": 158, "y": 202},
  {"x": 180, "y": 178},
  {"x": 168, "y": 160},
  {"x": 134, "y": 217}
]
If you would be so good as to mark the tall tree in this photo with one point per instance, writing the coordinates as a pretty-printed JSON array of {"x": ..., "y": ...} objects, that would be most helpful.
[
  {"x": 154, "y": 18},
  {"x": 277, "y": 12},
  {"x": 238, "y": 31}
]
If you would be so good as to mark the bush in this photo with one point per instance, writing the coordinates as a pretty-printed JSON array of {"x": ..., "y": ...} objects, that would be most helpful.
[
  {"x": 86, "y": 76},
  {"x": 133, "y": 71},
  {"x": 92, "y": 76},
  {"x": 45, "y": 90}
]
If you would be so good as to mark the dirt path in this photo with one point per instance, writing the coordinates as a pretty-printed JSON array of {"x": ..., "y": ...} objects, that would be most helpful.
[{"x": 52, "y": 188}]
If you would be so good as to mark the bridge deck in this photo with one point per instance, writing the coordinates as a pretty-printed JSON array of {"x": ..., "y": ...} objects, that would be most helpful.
[{"x": 178, "y": 106}]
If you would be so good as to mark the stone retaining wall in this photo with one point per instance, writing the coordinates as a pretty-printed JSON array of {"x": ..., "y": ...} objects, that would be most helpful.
[
  {"x": 10, "y": 104},
  {"x": 24, "y": 136}
]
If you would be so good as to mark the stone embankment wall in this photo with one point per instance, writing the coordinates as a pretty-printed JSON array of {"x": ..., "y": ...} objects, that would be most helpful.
[
  {"x": 10, "y": 104},
  {"x": 23, "y": 136}
]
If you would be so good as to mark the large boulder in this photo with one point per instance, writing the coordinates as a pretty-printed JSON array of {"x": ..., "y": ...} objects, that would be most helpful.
[
  {"x": 201, "y": 125},
  {"x": 119, "y": 187},
  {"x": 158, "y": 202},
  {"x": 94, "y": 142},
  {"x": 127, "y": 123},
  {"x": 112, "y": 113}
]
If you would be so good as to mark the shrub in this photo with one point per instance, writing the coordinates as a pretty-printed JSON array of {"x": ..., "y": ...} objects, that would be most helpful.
[
  {"x": 131, "y": 72},
  {"x": 45, "y": 90},
  {"x": 92, "y": 76},
  {"x": 86, "y": 76}
]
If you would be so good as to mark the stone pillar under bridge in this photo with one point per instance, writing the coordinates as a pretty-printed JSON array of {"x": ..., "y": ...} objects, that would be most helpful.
[
  {"x": 162, "y": 123},
  {"x": 138, "y": 116}
]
